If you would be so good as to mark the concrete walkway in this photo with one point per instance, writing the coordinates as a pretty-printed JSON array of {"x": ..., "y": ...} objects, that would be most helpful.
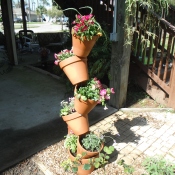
[
  {"x": 139, "y": 133},
  {"x": 142, "y": 133}
]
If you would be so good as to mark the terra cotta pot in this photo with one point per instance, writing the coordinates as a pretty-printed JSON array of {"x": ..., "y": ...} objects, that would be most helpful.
[
  {"x": 83, "y": 161},
  {"x": 83, "y": 48},
  {"x": 89, "y": 154},
  {"x": 75, "y": 69},
  {"x": 77, "y": 123}
]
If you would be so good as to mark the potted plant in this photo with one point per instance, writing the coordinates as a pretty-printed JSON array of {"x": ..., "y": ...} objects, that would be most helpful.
[
  {"x": 78, "y": 164},
  {"x": 70, "y": 143},
  {"x": 88, "y": 95},
  {"x": 76, "y": 122},
  {"x": 85, "y": 32},
  {"x": 74, "y": 67},
  {"x": 91, "y": 144}
]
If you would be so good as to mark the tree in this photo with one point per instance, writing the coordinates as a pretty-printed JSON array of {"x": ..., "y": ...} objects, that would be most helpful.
[
  {"x": 54, "y": 12},
  {"x": 41, "y": 10}
]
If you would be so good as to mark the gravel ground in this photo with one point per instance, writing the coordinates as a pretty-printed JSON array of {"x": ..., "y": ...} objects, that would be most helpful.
[
  {"x": 47, "y": 162},
  {"x": 52, "y": 157},
  {"x": 27, "y": 167}
]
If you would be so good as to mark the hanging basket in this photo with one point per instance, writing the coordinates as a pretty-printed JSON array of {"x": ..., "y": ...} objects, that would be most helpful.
[
  {"x": 77, "y": 123},
  {"x": 75, "y": 69},
  {"x": 83, "y": 48}
]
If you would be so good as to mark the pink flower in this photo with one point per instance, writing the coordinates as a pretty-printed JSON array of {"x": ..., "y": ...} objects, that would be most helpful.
[
  {"x": 112, "y": 90},
  {"x": 95, "y": 78},
  {"x": 103, "y": 92},
  {"x": 88, "y": 16},
  {"x": 84, "y": 28},
  {"x": 107, "y": 97},
  {"x": 78, "y": 16},
  {"x": 55, "y": 55},
  {"x": 56, "y": 62},
  {"x": 65, "y": 50}
]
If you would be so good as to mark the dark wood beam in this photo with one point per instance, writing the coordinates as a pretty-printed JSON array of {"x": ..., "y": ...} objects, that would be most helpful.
[
  {"x": 23, "y": 15},
  {"x": 7, "y": 17},
  {"x": 120, "y": 61}
]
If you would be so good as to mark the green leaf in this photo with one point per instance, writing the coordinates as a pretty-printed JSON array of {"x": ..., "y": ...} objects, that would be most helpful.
[
  {"x": 107, "y": 157},
  {"x": 74, "y": 169},
  {"x": 96, "y": 164},
  {"x": 87, "y": 167}
]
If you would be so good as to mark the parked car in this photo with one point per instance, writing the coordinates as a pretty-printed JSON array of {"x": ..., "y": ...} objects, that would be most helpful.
[
  {"x": 17, "y": 20},
  {"x": 64, "y": 20}
]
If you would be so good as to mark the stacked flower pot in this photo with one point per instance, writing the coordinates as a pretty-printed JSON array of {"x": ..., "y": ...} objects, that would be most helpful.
[
  {"x": 76, "y": 70},
  {"x": 85, "y": 33}
]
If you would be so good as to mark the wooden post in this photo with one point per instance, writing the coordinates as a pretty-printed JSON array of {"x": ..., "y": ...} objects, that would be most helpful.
[
  {"x": 9, "y": 32},
  {"x": 120, "y": 61},
  {"x": 23, "y": 15},
  {"x": 171, "y": 101}
]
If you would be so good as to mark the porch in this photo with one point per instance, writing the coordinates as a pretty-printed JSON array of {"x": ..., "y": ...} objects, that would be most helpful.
[{"x": 153, "y": 55}]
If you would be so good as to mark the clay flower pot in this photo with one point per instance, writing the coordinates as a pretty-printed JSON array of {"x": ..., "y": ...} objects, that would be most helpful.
[
  {"x": 75, "y": 69},
  {"x": 83, "y": 48},
  {"x": 77, "y": 123},
  {"x": 84, "y": 107},
  {"x": 83, "y": 161},
  {"x": 89, "y": 154}
]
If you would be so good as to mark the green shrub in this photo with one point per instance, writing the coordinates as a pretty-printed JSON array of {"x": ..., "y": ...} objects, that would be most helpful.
[
  {"x": 158, "y": 166},
  {"x": 99, "y": 60}
]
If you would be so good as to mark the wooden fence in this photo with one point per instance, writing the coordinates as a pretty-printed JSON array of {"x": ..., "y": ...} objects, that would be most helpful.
[{"x": 154, "y": 52}]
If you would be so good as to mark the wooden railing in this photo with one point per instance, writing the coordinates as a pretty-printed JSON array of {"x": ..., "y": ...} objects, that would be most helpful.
[{"x": 154, "y": 52}]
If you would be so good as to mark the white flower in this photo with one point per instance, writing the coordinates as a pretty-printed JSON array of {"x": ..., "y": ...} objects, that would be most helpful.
[{"x": 105, "y": 108}]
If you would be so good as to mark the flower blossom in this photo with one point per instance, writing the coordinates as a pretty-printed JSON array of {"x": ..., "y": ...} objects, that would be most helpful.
[
  {"x": 105, "y": 108},
  {"x": 107, "y": 97},
  {"x": 112, "y": 90},
  {"x": 103, "y": 92},
  {"x": 56, "y": 62}
]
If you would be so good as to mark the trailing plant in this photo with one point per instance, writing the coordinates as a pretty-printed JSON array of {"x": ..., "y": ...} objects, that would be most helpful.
[
  {"x": 99, "y": 58},
  {"x": 67, "y": 107},
  {"x": 149, "y": 6},
  {"x": 101, "y": 161},
  {"x": 128, "y": 169},
  {"x": 94, "y": 90},
  {"x": 159, "y": 166},
  {"x": 64, "y": 54},
  {"x": 71, "y": 142},
  {"x": 85, "y": 26}
]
